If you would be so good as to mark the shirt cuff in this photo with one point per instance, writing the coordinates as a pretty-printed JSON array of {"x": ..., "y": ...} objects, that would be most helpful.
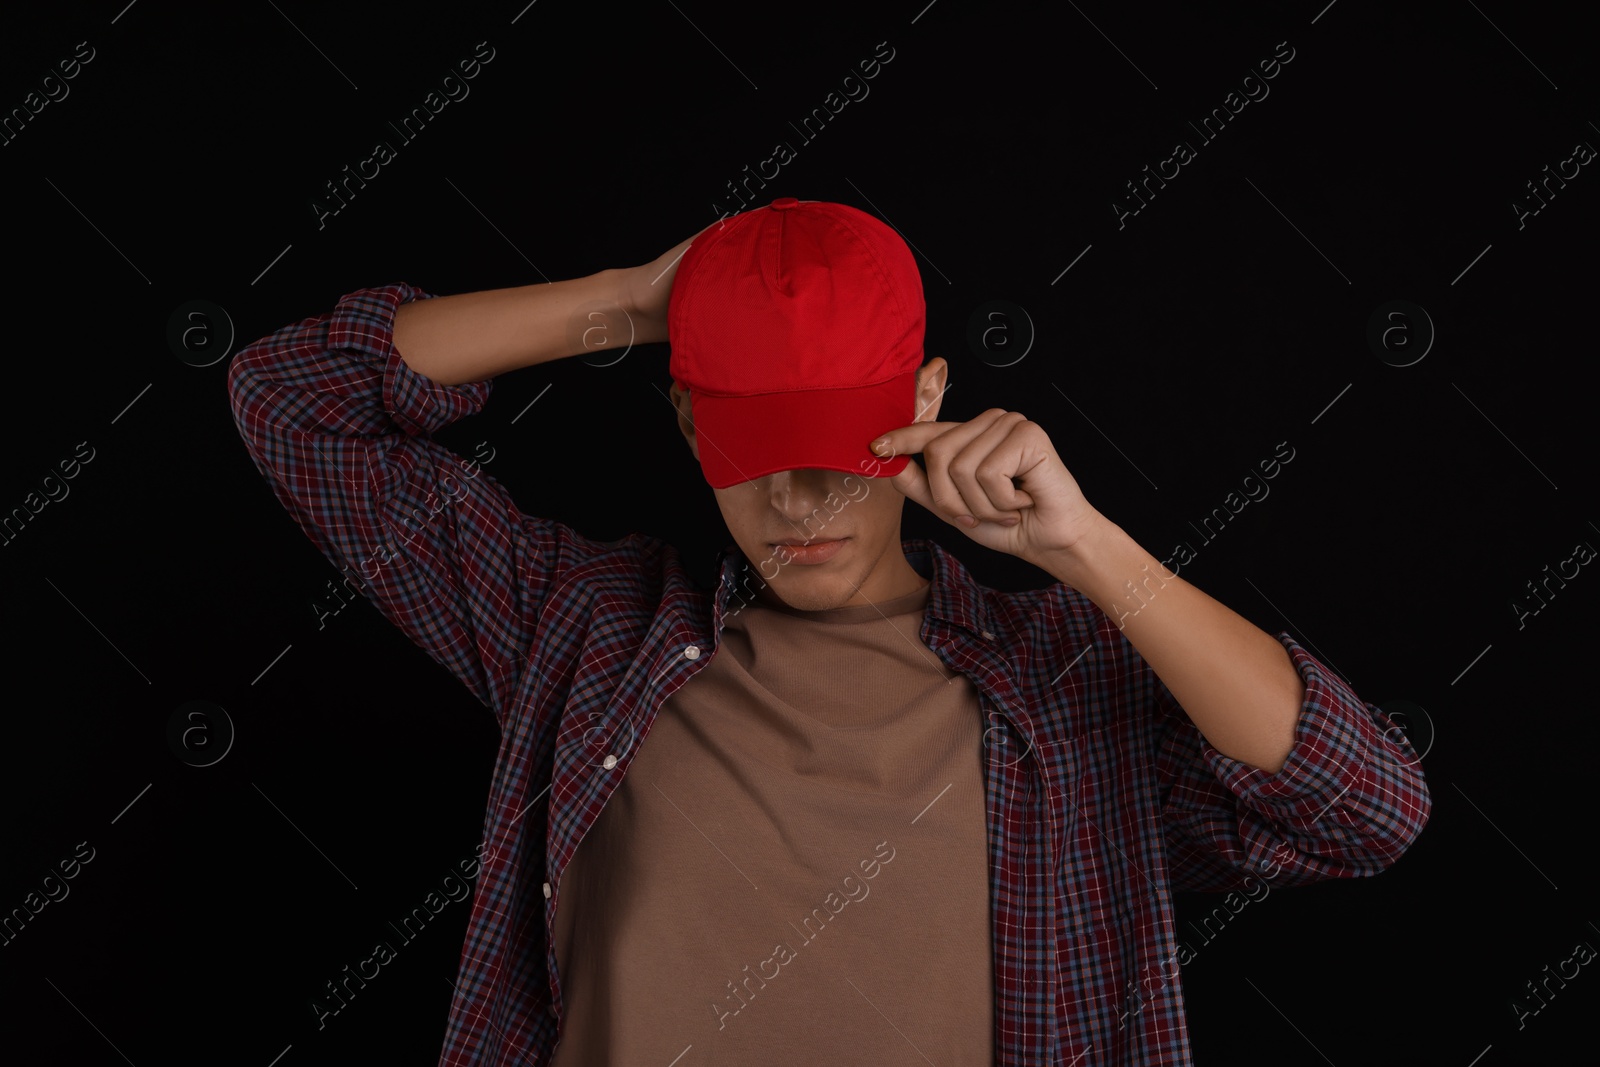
[
  {"x": 363, "y": 321},
  {"x": 1333, "y": 738}
]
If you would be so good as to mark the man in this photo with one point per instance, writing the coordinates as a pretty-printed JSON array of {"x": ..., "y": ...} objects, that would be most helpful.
[{"x": 849, "y": 805}]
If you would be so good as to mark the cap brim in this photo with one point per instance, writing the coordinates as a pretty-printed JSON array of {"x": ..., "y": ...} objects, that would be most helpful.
[{"x": 748, "y": 437}]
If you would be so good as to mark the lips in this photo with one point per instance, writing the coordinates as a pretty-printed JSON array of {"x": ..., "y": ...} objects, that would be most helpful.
[{"x": 808, "y": 554}]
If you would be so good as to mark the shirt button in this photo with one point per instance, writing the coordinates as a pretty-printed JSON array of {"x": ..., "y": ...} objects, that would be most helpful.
[
  {"x": 692, "y": 652},
  {"x": 547, "y": 891},
  {"x": 987, "y": 636},
  {"x": 609, "y": 762}
]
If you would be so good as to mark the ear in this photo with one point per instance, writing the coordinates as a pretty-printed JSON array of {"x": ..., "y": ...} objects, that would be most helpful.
[
  {"x": 680, "y": 400},
  {"x": 931, "y": 385}
]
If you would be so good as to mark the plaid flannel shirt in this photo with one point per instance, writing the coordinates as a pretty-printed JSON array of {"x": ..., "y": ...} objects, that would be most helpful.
[{"x": 1103, "y": 798}]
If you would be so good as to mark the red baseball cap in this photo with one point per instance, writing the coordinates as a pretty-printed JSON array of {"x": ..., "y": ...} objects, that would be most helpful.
[{"x": 797, "y": 329}]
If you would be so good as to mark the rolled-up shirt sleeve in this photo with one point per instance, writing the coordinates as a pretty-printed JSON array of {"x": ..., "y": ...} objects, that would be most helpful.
[
  {"x": 338, "y": 424},
  {"x": 1349, "y": 801}
]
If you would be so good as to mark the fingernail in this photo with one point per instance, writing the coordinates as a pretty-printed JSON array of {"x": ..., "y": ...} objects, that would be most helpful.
[
  {"x": 1010, "y": 522},
  {"x": 878, "y": 445},
  {"x": 967, "y": 521}
]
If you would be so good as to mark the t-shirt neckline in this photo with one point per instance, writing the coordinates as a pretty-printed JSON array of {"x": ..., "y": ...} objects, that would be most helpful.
[{"x": 907, "y": 604}]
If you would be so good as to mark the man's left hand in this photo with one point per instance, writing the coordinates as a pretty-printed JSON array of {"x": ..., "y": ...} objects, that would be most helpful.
[{"x": 997, "y": 467}]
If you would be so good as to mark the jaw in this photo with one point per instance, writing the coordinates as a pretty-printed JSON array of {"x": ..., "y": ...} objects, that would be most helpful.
[{"x": 853, "y": 576}]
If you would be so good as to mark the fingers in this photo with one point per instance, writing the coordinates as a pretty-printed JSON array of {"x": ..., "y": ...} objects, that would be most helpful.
[
  {"x": 969, "y": 467},
  {"x": 977, "y": 477},
  {"x": 911, "y": 439}
]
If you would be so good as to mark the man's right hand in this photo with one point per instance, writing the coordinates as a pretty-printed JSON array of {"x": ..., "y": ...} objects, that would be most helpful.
[{"x": 646, "y": 289}]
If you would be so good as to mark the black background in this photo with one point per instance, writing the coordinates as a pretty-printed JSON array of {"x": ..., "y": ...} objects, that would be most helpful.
[{"x": 1229, "y": 315}]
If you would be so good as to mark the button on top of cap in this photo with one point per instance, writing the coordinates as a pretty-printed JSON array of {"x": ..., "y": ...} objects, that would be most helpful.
[{"x": 784, "y": 203}]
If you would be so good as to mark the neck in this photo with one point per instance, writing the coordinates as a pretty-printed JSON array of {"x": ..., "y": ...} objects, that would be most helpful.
[{"x": 893, "y": 576}]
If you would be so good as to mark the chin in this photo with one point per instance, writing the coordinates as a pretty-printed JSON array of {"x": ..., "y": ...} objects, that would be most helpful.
[{"x": 811, "y": 591}]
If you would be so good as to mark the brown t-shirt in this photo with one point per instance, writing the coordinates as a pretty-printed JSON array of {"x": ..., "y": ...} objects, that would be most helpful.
[{"x": 795, "y": 867}]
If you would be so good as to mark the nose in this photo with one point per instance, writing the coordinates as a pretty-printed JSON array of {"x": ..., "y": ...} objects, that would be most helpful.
[{"x": 797, "y": 493}]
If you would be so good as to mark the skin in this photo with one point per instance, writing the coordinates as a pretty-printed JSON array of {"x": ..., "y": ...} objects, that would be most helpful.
[
  {"x": 871, "y": 567},
  {"x": 999, "y": 480}
]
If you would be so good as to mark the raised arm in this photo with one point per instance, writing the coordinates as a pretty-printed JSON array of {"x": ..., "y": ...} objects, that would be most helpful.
[
  {"x": 338, "y": 421},
  {"x": 473, "y": 337}
]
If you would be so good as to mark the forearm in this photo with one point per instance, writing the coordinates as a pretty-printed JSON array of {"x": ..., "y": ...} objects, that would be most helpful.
[
  {"x": 471, "y": 337},
  {"x": 1235, "y": 681}
]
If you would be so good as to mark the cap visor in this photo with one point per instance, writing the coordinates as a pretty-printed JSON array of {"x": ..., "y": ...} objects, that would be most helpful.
[{"x": 748, "y": 437}]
